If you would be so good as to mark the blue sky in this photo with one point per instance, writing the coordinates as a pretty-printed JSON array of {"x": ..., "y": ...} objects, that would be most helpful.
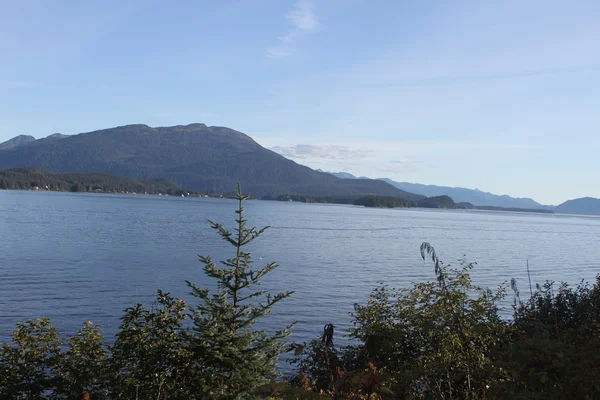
[{"x": 503, "y": 95}]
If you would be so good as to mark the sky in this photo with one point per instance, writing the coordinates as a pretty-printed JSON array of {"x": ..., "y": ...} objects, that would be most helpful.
[{"x": 503, "y": 96}]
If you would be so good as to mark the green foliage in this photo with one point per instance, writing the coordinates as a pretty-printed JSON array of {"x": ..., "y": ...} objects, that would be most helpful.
[
  {"x": 84, "y": 365},
  {"x": 234, "y": 357},
  {"x": 432, "y": 340},
  {"x": 29, "y": 368},
  {"x": 319, "y": 365},
  {"x": 555, "y": 353},
  {"x": 151, "y": 356}
]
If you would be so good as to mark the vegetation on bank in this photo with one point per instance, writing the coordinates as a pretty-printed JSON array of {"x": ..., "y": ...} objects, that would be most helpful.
[
  {"x": 341, "y": 199},
  {"x": 37, "y": 179},
  {"x": 437, "y": 202},
  {"x": 442, "y": 339},
  {"x": 383, "y": 202}
]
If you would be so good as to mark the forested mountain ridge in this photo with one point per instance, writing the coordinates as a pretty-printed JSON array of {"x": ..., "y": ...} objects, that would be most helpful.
[{"x": 206, "y": 159}]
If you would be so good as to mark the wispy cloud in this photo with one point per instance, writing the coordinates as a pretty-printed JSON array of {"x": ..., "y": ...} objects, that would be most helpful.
[
  {"x": 279, "y": 52},
  {"x": 303, "y": 21},
  {"x": 302, "y": 17},
  {"x": 327, "y": 152}
]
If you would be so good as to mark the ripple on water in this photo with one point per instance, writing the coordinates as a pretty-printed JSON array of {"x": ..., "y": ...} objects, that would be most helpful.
[{"x": 77, "y": 257}]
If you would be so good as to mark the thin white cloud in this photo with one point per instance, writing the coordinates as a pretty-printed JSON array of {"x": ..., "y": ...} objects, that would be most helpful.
[
  {"x": 279, "y": 52},
  {"x": 304, "y": 21},
  {"x": 323, "y": 152},
  {"x": 303, "y": 17}
]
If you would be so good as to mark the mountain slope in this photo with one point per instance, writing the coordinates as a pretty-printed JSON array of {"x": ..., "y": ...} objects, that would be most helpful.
[
  {"x": 207, "y": 159},
  {"x": 16, "y": 142},
  {"x": 584, "y": 205}
]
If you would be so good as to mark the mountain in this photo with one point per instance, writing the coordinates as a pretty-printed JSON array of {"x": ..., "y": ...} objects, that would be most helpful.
[
  {"x": 458, "y": 194},
  {"x": 463, "y": 195},
  {"x": 16, "y": 142},
  {"x": 585, "y": 205},
  {"x": 206, "y": 159}
]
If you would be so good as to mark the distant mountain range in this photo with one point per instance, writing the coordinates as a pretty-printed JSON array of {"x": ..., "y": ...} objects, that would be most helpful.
[
  {"x": 586, "y": 205},
  {"x": 458, "y": 194},
  {"x": 206, "y": 159},
  {"x": 214, "y": 159},
  {"x": 473, "y": 196}
]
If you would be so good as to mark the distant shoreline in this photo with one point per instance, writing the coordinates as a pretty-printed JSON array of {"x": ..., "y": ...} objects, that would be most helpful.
[
  {"x": 40, "y": 190},
  {"x": 478, "y": 209}
]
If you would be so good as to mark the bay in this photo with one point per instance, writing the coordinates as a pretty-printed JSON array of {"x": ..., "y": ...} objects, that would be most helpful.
[{"x": 80, "y": 257}]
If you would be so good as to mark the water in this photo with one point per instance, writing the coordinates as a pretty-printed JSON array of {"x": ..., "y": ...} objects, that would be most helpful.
[{"x": 80, "y": 257}]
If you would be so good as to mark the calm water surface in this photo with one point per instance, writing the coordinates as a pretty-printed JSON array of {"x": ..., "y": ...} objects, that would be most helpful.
[{"x": 80, "y": 257}]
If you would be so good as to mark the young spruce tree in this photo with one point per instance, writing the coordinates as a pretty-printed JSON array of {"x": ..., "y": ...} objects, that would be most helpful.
[{"x": 233, "y": 358}]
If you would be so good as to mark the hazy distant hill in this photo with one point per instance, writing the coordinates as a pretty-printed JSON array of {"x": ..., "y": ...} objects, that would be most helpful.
[
  {"x": 207, "y": 159},
  {"x": 342, "y": 175},
  {"x": 458, "y": 194},
  {"x": 585, "y": 205},
  {"x": 16, "y": 141}
]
